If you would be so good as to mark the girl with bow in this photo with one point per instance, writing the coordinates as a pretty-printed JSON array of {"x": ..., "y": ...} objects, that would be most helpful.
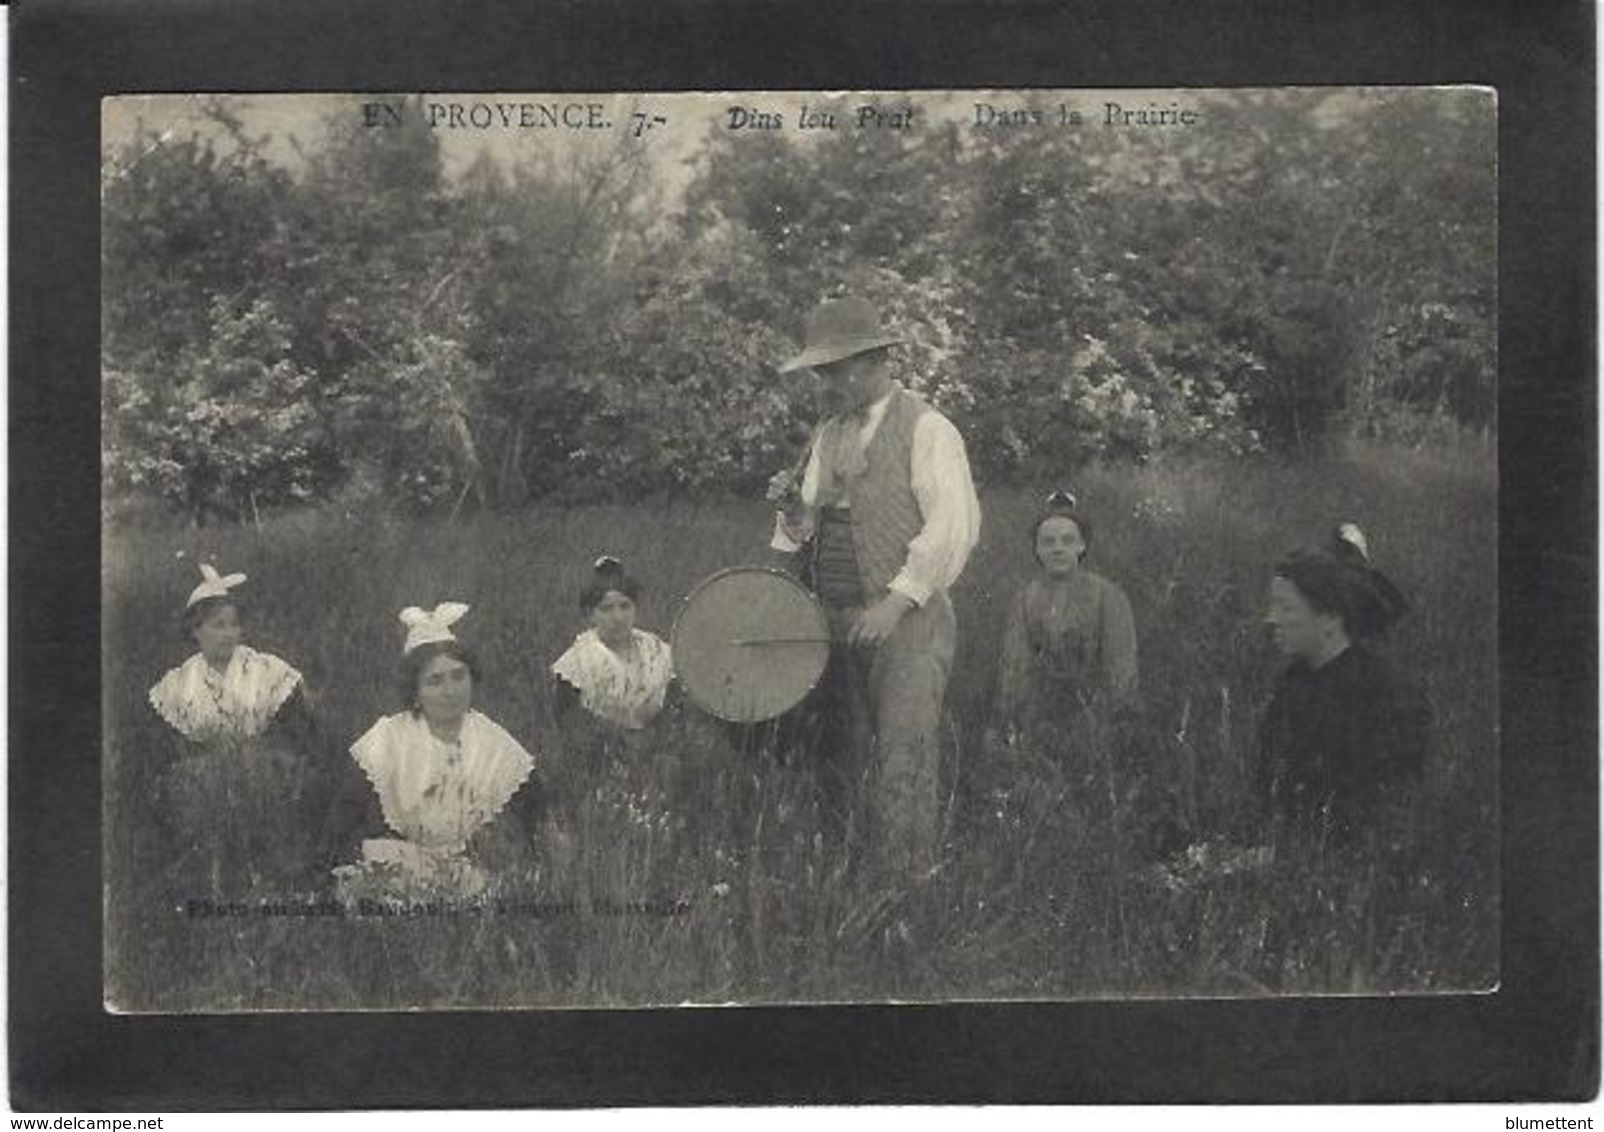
[
  {"x": 238, "y": 801},
  {"x": 449, "y": 792}
]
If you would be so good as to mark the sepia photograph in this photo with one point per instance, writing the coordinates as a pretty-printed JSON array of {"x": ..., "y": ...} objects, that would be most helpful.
[{"x": 622, "y": 550}]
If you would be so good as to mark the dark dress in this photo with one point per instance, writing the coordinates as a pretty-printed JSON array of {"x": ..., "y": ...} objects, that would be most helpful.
[
  {"x": 237, "y": 815},
  {"x": 1342, "y": 749}
]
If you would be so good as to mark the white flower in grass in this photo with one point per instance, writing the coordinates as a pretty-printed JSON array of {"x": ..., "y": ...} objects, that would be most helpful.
[{"x": 1157, "y": 509}]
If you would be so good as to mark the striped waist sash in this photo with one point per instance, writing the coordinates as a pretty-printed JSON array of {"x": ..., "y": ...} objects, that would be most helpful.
[{"x": 835, "y": 560}]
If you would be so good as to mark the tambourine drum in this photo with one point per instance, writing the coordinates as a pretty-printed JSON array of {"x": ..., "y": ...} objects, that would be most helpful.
[{"x": 749, "y": 643}]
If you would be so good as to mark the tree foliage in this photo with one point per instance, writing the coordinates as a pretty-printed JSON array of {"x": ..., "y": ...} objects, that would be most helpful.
[
  {"x": 577, "y": 326},
  {"x": 224, "y": 427}
]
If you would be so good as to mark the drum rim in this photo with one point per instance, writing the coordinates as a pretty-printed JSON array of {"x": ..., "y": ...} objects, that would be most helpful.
[
  {"x": 719, "y": 575},
  {"x": 754, "y": 568}
]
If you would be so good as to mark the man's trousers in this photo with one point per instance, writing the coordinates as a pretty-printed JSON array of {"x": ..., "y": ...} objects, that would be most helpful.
[{"x": 882, "y": 756}]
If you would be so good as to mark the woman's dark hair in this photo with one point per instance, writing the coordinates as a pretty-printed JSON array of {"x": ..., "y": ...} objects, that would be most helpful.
[
  {"x": 204, "y": 608},
  {"x": 1061, "y": 505},
  {"x": 607, "y": 575},
  {"x": 1337, "y": 579},
  {"x": 414, "y": 662}
]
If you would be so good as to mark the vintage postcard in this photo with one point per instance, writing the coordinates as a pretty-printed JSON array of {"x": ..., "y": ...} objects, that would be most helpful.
[{"x": 625, "y": 550}]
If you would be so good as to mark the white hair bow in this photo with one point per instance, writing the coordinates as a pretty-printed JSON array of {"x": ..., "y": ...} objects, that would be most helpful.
[
  {"x": 213, "y": 584},
  {"x": 1354, "y": 537},
  {"x": 427, "y": 626}
]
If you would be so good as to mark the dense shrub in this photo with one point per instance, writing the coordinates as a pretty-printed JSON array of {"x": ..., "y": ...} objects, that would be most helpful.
[{"x": 1313, "y": 263}]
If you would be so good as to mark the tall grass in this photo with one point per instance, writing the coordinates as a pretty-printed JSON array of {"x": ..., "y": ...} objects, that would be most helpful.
[{"x": 702, "y": 870}]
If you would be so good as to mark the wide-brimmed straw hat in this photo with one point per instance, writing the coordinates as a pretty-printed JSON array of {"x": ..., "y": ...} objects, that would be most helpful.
[{"x": 841, "y": 328}]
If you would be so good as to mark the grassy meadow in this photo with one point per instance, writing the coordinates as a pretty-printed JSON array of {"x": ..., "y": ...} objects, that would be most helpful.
[{"x": 699, "y": 870}]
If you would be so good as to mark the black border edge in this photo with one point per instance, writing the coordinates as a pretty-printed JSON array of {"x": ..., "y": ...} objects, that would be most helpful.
[{"x": 1537, "y": 1038}]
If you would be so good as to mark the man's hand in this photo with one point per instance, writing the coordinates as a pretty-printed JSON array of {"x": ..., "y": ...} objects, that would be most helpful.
[
  {"x": 782, "y": 485},
  {"x": 878, "y": 621}
]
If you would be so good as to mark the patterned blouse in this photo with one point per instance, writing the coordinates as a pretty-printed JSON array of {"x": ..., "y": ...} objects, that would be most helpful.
[
  {"x": 1068, "y": 641},
  {"x": 625, "y": 691},
  {"x": 436, "y": 795},
  {"x": 207, "y": 705}
]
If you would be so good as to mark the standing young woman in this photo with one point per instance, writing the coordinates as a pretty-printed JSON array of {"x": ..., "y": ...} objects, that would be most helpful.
[
  {"x": 1066, "y": 700},
  {"x": 1070, "y": 640}
]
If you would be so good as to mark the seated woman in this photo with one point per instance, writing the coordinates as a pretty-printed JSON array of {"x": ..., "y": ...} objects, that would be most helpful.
[
  {"x": 608, "y": 694},
  {"x": 239, "y": 794},
  {"x": 1343, "y": 730},
  {"x": 227, "y": 691},
  {"x": 617, "y": 673},
  {"x": 448, "y": 791},
  {"x": 1069, "y": 643},
  {"x": 1343, "y": 741}
]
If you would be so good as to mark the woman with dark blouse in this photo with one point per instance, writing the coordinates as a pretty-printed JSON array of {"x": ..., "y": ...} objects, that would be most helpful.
[{"x": 1342, "y": 744}]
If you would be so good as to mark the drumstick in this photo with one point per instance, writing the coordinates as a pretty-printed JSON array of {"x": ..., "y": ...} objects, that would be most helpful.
[{"x": 744, "y": 641}]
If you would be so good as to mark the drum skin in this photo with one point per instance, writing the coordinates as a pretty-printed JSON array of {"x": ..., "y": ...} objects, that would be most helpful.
[{"x": 749, "y": 643}]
